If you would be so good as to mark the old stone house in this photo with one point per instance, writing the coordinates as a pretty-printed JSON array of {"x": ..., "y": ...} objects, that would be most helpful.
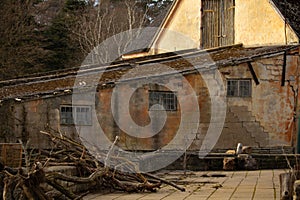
[
  {"x": 214, "y": 98},
  {"x": 260, "y": 90}
]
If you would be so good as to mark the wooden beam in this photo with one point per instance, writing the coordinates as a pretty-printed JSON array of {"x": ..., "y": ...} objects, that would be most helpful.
[{"x": 253, "y": 73}]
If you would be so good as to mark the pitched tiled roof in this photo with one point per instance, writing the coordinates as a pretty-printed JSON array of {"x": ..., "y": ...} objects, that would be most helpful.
[
  {"x": 290, "y": 10},
  {"x": 188, "y": 61}
]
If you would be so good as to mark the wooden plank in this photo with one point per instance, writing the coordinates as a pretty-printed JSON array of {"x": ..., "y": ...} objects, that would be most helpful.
[
  {"x": 223, "y": 23},
  {"x": 217, "y": 23},
  {"x": 229, "y": 22}
]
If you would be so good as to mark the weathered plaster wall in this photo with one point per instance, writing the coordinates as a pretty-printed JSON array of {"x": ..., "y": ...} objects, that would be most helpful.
[
  {"x": 257, "y": 22},
  {"x": 271, "y": 105},
  {"x": 182, "y": 28},
  {"x": 139, "y": 113},
  {"x": 25, "y": 120},
  {"x": 276, "y": 114},
  {"x": 239, "y": 126},
  {"x": 265, "y": 119}
]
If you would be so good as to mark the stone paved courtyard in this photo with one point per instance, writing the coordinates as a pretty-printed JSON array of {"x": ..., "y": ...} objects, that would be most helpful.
[{"x": 209, "y": 185}]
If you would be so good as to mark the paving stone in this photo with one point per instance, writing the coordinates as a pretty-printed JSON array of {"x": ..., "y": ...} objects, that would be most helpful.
[
  {"x": 265, "y": 185},
  {"x": 177, "y": 195},
  {"x": 240, "y": 174},
  {"x": 133, "y": 196},
  {"x": 197, "y": 197},
  {"x": 152, "y": 196},
  {"x": 243, "y": 193},
  {"x": 264, "y": 198},
  {"x": 264, "y": 193},
  {"x": 249, "y": 182},
  {"x": 222, "y": 194},
  {"x": 106, "y": 197},
  {"x": 277, "y": 194},
  {"x": 94, "y": 196},
  {"x": 237, "y": 185},
  {"x": 216, "y": 198},
  {"x": 204, "y": 191},
  {"x": 232, "y": 182},
  {"x": 253, "y": 173}
]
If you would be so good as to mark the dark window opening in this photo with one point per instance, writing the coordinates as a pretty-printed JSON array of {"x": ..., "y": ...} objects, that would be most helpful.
[
  {"x": 239, "y": 88},
  {"x": 75, "y": 115},
  {"x": 165, "y": 98}
]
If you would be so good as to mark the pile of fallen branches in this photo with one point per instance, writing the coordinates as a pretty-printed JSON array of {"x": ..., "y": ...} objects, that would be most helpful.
[{"x": 46, "y": 180}]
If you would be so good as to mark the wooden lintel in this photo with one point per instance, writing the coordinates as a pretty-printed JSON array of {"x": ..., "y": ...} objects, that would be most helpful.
[{"x": 253, "y": 73}]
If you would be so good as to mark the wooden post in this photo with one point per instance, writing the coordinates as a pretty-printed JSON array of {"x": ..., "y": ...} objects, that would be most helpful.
[
  {"x": 297, "y": 190},
  {"x": 286, "y": 186}
]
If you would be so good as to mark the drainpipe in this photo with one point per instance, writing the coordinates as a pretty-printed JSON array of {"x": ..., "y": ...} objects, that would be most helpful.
[
  {"x": 297, "y": 123},
  {"x": 298, "y": 134},
  {"x": 296, "y": 120},
  {"x": 297, "y": 111}
]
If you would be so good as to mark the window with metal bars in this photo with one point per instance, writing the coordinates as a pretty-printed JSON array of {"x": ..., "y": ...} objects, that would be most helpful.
[
  {"x": 75, "y": 115},
  {"x": 167, "y": 99},
  {"x": 239, "y": 88}
]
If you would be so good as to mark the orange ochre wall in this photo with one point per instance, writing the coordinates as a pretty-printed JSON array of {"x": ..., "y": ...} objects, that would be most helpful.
[{"x": 264, "y": 119}]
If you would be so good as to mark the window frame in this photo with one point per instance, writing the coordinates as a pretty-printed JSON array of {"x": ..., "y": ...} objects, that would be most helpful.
[
  {"x": 168, "y": 99},
  {"x": 239, "y": 88},
  {"x": 68, "y": 119}
]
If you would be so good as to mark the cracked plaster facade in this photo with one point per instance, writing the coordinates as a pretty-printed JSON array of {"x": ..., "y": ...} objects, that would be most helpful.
[{"x": 267, "y": 118}]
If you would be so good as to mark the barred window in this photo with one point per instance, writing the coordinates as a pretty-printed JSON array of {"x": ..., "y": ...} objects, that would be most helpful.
[
  {"x": 78, "y": 115},
  {"x": 165, "y": 98},
  {"x": 239, "y": 88}
]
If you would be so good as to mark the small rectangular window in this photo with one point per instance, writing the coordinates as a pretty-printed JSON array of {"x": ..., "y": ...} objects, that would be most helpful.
[
  {"x": 75, "y": 115},
  {"x": 165, "y": 98},
  {"x": 239, "y": 88},
  {"x": 66, "y": 115}
]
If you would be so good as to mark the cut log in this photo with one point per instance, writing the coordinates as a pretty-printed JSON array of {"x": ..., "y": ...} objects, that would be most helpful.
[{"x": 229, "y": 163}]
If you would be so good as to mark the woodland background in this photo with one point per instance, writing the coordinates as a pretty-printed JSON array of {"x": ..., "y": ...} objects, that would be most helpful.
[{"x": 43, "y": 35}]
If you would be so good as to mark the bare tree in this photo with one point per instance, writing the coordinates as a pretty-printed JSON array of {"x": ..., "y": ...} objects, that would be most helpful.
[{"x": 121, "y": 22}]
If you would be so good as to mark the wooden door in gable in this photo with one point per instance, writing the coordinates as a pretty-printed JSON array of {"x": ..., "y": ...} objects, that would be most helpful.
[{"x": 217, "y": 27}]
